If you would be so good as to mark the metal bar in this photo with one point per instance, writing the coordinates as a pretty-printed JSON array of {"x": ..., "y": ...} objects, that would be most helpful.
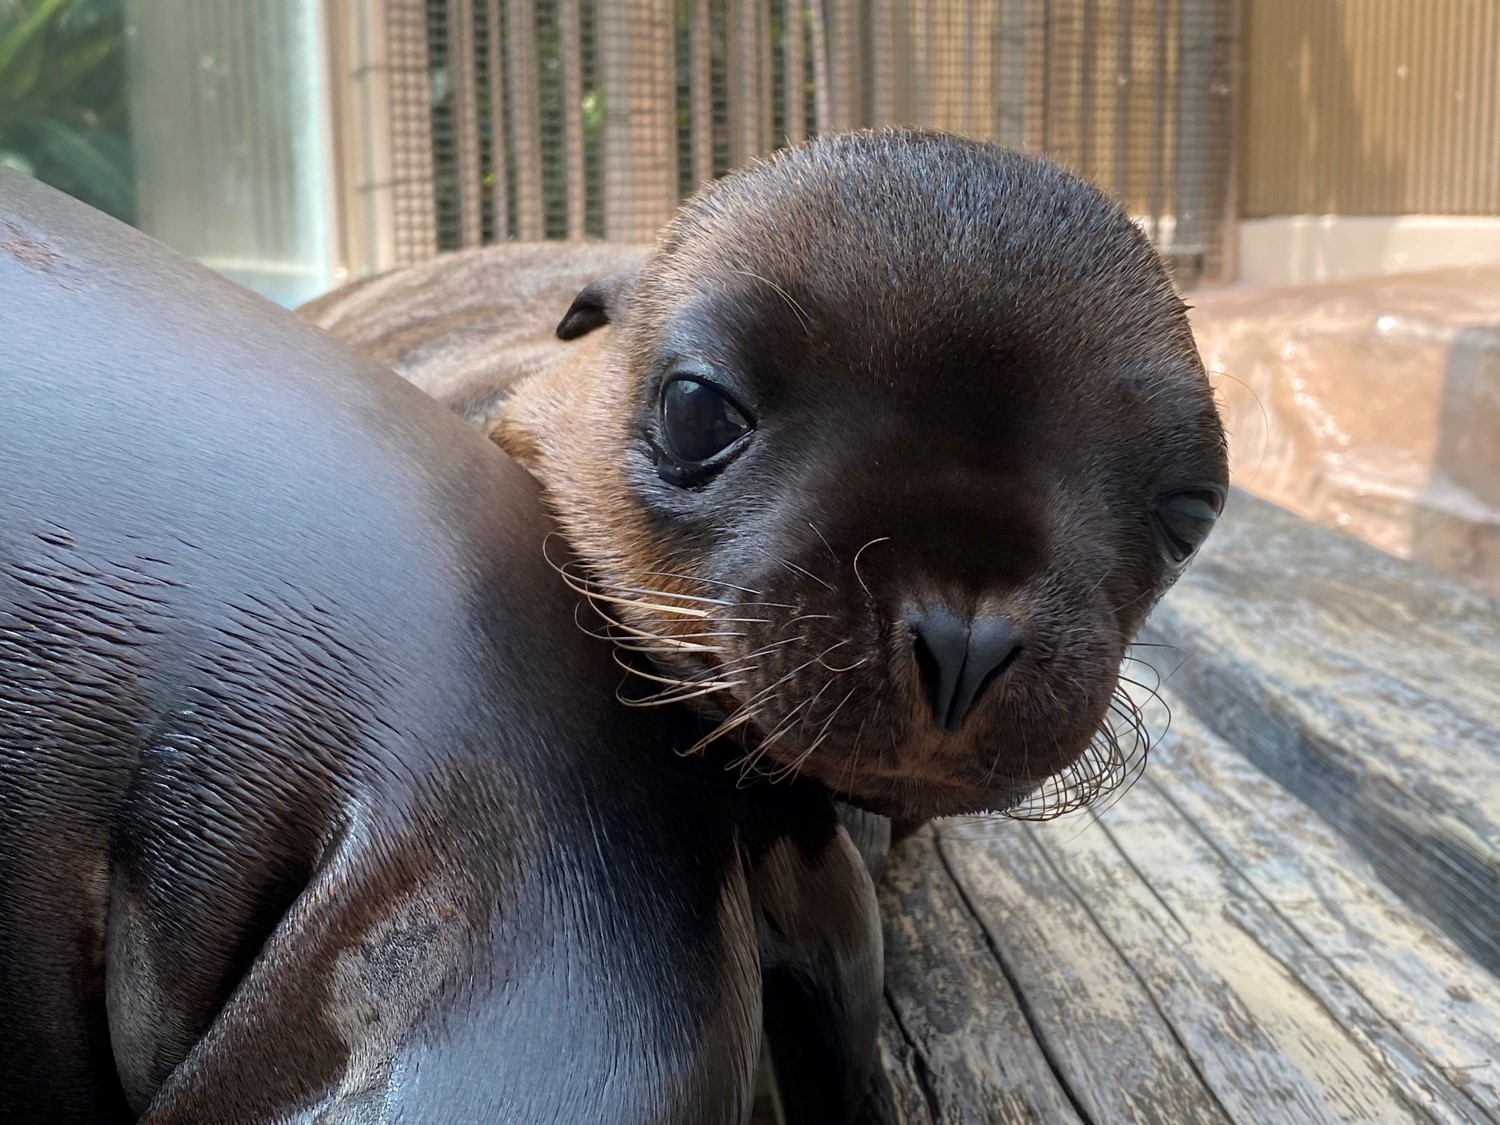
[
  {"x": 794, "y": 34},
  {"x": 700, "y": 93},
  {"x": 570, "y": 61},
  {"x": 1010, "y": 74},
  {"x": 465, "y": 120},
  {"x": 1123, "y": 85},
  {"x": 1229, "y": 242},
  {"x": 638, "y": 56},
  {"x": 525, "y": 112},
  {"x": 1159, "y": 120},
  {"x": 822, "y": 93},
  {"x": 499, "y": 165},
  {"x": 399, "y": 50},
  {"x": 1086, "y": 90},
  {"x": 744, "y": 81},
  {"x": 922, "y": 67},
  {"x": 843, "y": 49},
  {"x": 766, "y": 125},
  {"x": 1191, "y": 190}
]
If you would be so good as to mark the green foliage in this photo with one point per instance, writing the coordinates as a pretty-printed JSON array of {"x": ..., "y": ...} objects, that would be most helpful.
[{"x": 64, "y": 113}]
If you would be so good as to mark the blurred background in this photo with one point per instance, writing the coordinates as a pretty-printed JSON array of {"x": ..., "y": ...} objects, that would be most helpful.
[{"x": 1323, "y": 175}]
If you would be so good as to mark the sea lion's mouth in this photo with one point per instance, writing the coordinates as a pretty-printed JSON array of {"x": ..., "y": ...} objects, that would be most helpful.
[
  {"x": 914, "y": 799},
  {"x": 811, "y": 680}
]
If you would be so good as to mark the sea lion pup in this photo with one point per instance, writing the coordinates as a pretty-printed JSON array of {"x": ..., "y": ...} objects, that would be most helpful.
[
  {"x": 314, "y": 805},
  {"x": 887, "y": 452}
]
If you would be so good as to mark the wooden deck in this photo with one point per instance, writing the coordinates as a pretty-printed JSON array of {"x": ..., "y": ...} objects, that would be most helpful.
[{"x": 1292, "y": 916}]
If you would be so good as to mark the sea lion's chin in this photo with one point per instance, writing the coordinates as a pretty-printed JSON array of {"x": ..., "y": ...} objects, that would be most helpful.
[
  {"x": 914, "y": 788},
  {"x": 911, "y": 799}
]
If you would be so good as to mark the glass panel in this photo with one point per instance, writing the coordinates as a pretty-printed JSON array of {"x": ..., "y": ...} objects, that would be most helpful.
[
  {"x": 201, "y": 121},
  {"x": 230, "y": 137}
]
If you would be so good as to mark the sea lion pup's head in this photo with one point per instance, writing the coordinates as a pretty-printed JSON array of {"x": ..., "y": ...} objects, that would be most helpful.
[{"x": 886, "y": 454}]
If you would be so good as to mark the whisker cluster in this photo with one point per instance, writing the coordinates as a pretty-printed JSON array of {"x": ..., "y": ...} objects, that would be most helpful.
[
  {"x": 699, "y": 629},
  {"x": 1113, "y": 760}
]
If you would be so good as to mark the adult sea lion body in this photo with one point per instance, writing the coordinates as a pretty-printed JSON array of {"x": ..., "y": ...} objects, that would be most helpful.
[
  {"x": 314, "y": 805},
  {"x": 883, "y": 453}
]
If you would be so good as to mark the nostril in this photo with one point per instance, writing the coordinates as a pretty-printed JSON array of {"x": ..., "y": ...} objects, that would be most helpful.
[
  {"x": 928, "y": 667},
  {"x": 940, "y": 639},
  {"x": 995, "y": 644},
  {"x": 958, "y": 658}
]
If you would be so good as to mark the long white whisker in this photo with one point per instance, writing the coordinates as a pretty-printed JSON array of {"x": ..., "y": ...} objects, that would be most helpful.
[
  {"x": 738, "y": 719},
  {"x": 664, "y": 698},
  {"x": 705, "y": 581},
  {"x": 862, "y": 550},
  {"x": 794, "y": 568}
]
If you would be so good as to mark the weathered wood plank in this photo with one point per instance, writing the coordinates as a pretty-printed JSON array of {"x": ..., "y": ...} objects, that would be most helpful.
[
  {"x": 1368, "y": 687},
  {"x": 1099, "y": 1021},
  {"x": 969, "y": 1038},
  {"x": 1259, "y": 1038},
  {"x": 1209, "y": 950},
  {"x": 1399, "y": 984},
  {"x": 1269, "y": 1019},
  {"x": 898, "y": 1096}
]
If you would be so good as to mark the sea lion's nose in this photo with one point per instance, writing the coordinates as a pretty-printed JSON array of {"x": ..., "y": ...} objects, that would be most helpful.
[{"x": 960, "y": 655}]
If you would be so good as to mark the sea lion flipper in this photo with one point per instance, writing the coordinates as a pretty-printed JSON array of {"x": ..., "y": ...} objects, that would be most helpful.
[
  {"x": 595, "y": 306},
  {"x": 822, "y": 965}
]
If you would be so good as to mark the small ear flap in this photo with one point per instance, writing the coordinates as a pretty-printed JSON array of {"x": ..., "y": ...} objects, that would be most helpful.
[{"x": 596, "y": 305}]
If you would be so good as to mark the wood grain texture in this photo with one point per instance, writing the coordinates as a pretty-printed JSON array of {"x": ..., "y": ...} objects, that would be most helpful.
[
  {"x": 1368, "y": 686},
  {"x": 1208, "y": 950},
  {"x": 970, "y": 1039}
]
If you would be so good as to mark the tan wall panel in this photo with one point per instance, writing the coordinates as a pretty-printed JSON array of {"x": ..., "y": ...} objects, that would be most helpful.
[{"x": 1371, "y": 107}]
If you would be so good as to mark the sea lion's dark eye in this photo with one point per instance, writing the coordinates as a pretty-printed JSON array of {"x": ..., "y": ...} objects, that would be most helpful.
[
  {"x": 1183, "y": 521},
  {"x": 697, "y": 421}
]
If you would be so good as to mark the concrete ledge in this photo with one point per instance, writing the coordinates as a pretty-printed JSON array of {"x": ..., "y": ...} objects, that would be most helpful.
[{"x": 1298, "y": 249}]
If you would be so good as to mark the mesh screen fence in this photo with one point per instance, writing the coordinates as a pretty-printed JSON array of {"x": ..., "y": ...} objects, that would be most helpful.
[{"x": 567, "y": 119}]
